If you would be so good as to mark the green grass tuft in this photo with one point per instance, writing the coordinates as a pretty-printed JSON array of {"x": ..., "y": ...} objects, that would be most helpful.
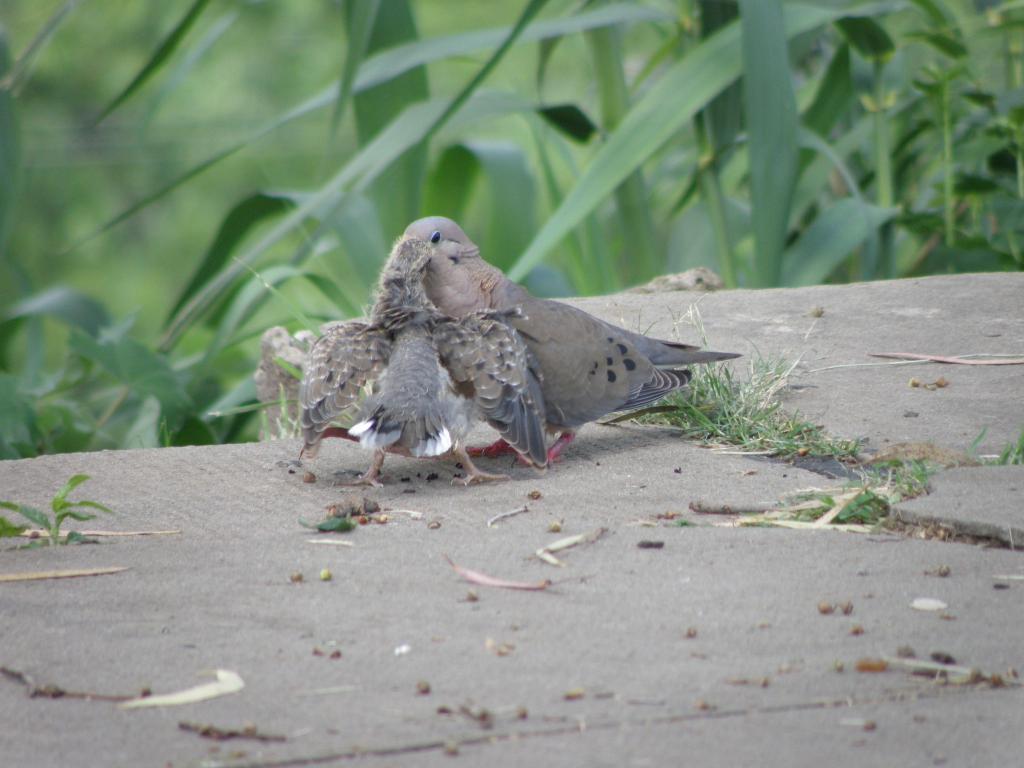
[{"x": 718, "y": 409}]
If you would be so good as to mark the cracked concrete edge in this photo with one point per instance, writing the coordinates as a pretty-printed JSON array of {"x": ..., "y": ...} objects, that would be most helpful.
[{"x": 1009, "y": 535}]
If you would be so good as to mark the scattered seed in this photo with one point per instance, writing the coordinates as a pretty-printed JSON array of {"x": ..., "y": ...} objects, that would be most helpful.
[
  {"x": 555, "y": 526},
  {"x": 325, "y": 574},
  {"x": 422, "y": 687},
  {"x": 451, "y": 748},
  {"x": 838, "y": 666},
  {"x": 905, "y": 652},
  {"x": 691, "y": 633},
  {"x": 317, "y": 652},
  {"x": 295, "y": 577},
  {"x": 574, "y": 694},
  {"x": 872, "y": 665},
  {"x": 434, "y": 524},
  {"x": 816, "y": 311},
  {"x": 928, "y": 604},
  {"x": 498, "y": 649},
  {"x": 941, "y": 657},
  {"x": 825, "y": 608},
  {"x": 534, "y": 495},
  {"x": 678, "y": 470},
  {"x": 856, "y": 629},
  {"x": 647, "y": 544},
  {"x": 522, "y": 713},
  {"x": 846, "y": 608},
  {"x": 472, "y": 596},
  {"x": 941, "y": 571},
  {"x": 308, "y": 477},
  {"x": 704, "y": 706},
  {"x": 335, "y": 654}
]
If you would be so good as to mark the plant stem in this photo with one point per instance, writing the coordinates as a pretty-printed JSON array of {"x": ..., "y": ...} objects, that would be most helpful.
[
  {"x": 711, "y": 194},
  {"x": 638, "y": 245},
  {"x": 884, "y": 184},
  {"x": 112, "y": 409},
  {"x": 947, "y": 163}
]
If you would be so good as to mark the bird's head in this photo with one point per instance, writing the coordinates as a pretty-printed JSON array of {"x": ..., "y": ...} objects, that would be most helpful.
[
  {"x": 400, "y": 292},
  {"x": 457, "y": 280}
]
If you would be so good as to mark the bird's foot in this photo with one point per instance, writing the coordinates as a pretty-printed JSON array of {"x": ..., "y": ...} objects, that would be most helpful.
[
  {"x": 497, "y": 449},
  {"x": 371, "y": 476},
  {"x": 557, "y": 447},
  {"x": 474, "y": 475}
]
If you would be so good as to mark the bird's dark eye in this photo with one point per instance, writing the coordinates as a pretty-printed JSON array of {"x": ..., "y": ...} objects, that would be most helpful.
[{"x": 435, "y": 236}]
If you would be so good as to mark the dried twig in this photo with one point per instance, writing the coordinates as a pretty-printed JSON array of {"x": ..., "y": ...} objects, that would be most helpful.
[
  {"x": 208, "y": 731},
  {"x": 50, "y": 691},
  {"x": 503, "y": 515},
  {"x": 960, "y": 360},
  {"x": 65, "y": 574},
  {"x": 705, "y": 508}
]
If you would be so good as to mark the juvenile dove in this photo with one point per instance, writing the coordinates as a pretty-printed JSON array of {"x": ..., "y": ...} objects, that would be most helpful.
[
  {"x": 589, "y": 368},
  {"x": 431, "y": 376}
]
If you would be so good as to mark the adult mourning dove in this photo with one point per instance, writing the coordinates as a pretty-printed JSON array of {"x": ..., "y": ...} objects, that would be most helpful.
[
  {"x": 589, "y": 368},
  {"x": 431, "y": 376}
]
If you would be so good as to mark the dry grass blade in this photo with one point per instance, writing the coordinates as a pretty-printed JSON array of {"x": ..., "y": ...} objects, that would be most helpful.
[
  {"x": 546, "y": 553},
  {"x": 951, "y": 360},
  {"x": 39, "y": 533},
  {"x": 475, "y": 577},
  {"x": 332, "y": 542},
  {"x": 70, "y": 573},
  {"x": 227, "y": 682}
]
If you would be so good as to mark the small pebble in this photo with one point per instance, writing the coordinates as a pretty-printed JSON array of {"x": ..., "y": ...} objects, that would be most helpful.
[
  {"x": 325, "y": 574},
  {"x": 308, "y": 477}
]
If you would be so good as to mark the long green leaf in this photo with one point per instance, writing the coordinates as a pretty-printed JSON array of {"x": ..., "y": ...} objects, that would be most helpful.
[
  {"x": 160, "y": 55},
  {"x": 66, "y": 304},
  {"x": 239, "y": 222},
  {"x": 360, "y": 20},
  {"x": 771, "y": 116},
  {"x": 16, "y": 78},
  {"x": 830, "y": 239},
  {"x": 396, "y": 191},
  {"x": 686, "y": 87},
  {"x": 10, "y": 150},
  {"x": 138, "y": 368}
]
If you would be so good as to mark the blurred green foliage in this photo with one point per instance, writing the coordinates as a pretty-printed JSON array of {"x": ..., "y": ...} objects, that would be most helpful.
[{"x": 155, "y": 157}]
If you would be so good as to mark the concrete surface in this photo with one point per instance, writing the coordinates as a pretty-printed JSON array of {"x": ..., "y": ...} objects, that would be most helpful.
[
  {"x": 711, "y": 650},
  {"x": 974, "y": 501}
]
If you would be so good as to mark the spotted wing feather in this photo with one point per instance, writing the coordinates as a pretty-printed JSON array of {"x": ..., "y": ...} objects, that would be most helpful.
[
  {"x": 488, "y": 360},
  {"x": 339, "y": 364}
]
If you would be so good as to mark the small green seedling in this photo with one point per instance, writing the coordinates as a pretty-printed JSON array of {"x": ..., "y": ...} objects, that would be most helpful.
[{"x": 62, "y": 509}]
